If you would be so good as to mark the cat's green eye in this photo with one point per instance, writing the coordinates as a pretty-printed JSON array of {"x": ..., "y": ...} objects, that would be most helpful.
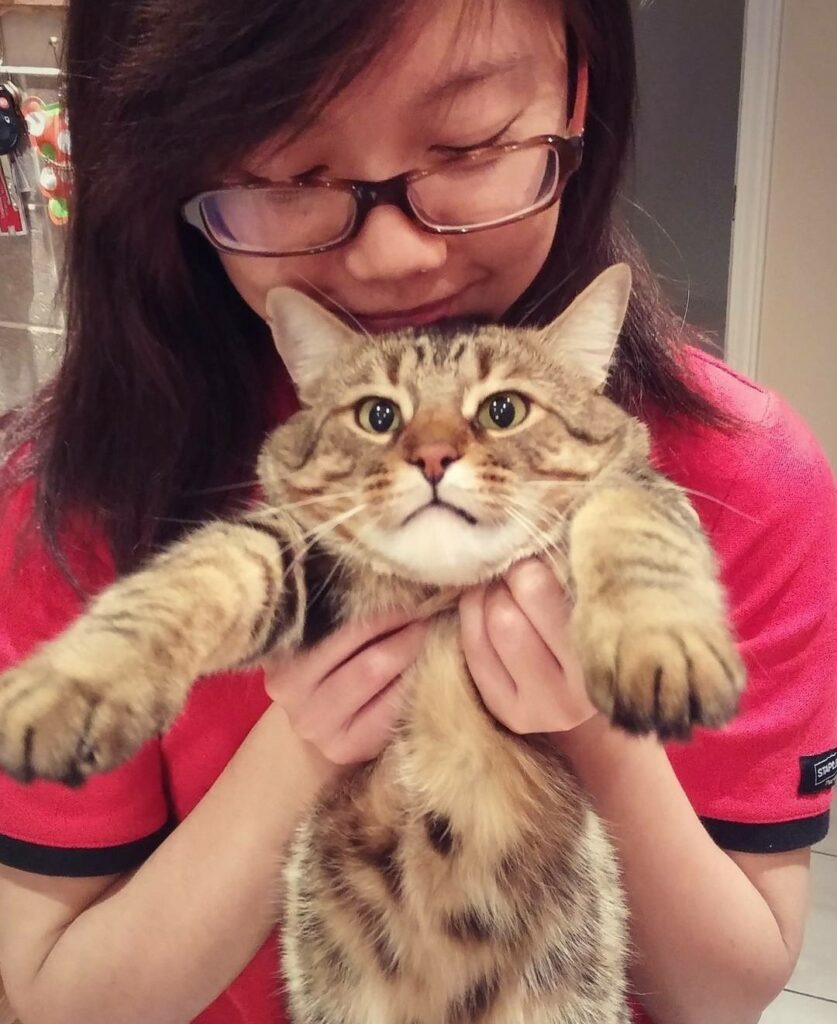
[
  {"x": 378, "y": 415},
  {"x": 503, "y": 411}
]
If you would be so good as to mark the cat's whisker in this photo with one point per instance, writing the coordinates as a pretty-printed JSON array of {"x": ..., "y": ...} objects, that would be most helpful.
[
  {"x": 330, "y": 496},
  {"x": 319, "y": 500},
  {"x": 544, "y": 298},
  {"x": 537, "y": 524},
  {"x": 550, "y": 515},
  {"x": 338, "y": 565},
  {"x": 585, "y": 485},
  {"x": 548, "y": 543},
  {"x": 544, "y": 518},
  {"x": 540, "y": 511},
  {"x": 556, "y": 481},
  {"x": 582, "y": 490},
  {"x": 243, "y": 486},
  {"x": 352, "y": 550},
  {"x": 183, "y": 522},
  {"x": 504, "y": 502},
  {"x": 267, "y": 513},
  {"x": 723, "y": 504},
  {"x": 331, "y": 302},
  {"x": 543, "y": 539},
  {"x": 315, "y": 535},
  {"x": 544, "y": 552}
]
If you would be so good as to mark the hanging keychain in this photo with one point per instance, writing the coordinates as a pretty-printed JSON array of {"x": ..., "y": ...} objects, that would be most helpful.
[
  {"x": 12, "y": 139},
  {"x": 49, "y": 136}
]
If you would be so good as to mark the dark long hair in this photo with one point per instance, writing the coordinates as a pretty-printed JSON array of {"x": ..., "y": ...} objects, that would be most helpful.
[{"x": 158, "y": 409}]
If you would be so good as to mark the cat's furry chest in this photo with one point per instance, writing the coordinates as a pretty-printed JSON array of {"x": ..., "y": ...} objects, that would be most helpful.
[{"x": 449, "y": 748}]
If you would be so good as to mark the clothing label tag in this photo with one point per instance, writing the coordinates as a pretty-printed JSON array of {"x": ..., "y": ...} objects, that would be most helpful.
[{"x": 818, "y": 772}]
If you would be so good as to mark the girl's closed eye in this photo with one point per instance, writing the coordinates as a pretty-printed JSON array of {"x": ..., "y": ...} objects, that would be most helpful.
[{"x": 492, "y": 140}]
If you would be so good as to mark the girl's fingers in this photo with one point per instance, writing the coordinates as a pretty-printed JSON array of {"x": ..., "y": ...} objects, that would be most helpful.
[
  {"x": 537, "y": 676},
  {"x": 494, "y": 682},
  {"x": 518, "y": 644},
  {"x": 544, "y": 602},
  {"x": 291, "y": 680},
  {"x": 372, "y": 727},
  {"x": 339, "y": 697},
  {"x": 540, "y": 653}
]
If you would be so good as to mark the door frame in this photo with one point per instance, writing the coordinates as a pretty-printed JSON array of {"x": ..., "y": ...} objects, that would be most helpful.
[{"x": 756, "y": 131}]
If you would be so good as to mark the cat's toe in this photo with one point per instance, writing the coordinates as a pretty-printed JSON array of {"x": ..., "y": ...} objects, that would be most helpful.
[
  {"x": 58, "y": 728},
  {"x": 715, "y": 673},
  {"x": 684, "y": 676},
  {"x": 664, "y": 678}
]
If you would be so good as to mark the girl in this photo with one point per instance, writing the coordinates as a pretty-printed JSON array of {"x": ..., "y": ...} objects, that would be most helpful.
[{"x": 145, "y": 895}]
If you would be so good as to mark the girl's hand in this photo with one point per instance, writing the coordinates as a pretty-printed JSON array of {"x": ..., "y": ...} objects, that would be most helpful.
[
  {"x": 344, "y": 695},
  {"x": 517, "y": 643}
]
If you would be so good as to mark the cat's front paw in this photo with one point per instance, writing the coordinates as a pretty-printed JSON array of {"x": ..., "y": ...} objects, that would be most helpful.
[
  {"x": 650, "y": 674},
  {"x": 55, "y": 726}
]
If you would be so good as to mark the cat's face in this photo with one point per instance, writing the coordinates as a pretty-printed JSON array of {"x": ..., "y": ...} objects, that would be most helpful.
[{"x": 446, "y": 456}]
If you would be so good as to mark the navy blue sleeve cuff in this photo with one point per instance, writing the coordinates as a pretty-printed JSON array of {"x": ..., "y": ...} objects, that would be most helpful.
[
  {"x": 79, "y": 862},
  {"x": 777, "y": 837}
]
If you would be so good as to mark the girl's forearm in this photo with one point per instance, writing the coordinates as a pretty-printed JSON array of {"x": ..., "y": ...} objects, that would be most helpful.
[
  {"x": 708, "y": 947},
  {"x": 166, "y": 941}
]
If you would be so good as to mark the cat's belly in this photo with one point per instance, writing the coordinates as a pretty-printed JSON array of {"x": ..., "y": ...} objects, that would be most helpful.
[
  {"x": 546, "y": 950},
  {"x": 460, "y": 872}
]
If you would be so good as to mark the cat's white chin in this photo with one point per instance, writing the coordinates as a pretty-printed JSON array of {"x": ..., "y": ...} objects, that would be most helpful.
[{"x": 439, "y": 547}]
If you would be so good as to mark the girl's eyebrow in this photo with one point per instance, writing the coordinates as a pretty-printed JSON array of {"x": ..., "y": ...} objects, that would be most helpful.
[{"x": 474, "y": 75}]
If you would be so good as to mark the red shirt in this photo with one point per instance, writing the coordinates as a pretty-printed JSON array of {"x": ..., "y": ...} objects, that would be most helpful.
[{"x": 767, "y": 499}]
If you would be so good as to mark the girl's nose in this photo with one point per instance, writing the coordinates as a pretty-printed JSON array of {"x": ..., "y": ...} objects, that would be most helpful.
[{"x": 390, "y": 247}]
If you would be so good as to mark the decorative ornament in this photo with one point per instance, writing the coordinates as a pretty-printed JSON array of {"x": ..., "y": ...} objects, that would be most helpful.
[{"x": 50, "y": 134}]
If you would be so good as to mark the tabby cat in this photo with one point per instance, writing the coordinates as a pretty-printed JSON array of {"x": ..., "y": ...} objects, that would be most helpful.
[{"x": 462, "y": 877}]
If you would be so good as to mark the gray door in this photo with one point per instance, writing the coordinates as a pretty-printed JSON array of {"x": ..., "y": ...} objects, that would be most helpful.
[{"x": 680, "y": 196}]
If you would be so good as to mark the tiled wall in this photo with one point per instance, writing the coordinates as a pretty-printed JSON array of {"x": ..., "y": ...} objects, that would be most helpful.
[{"x": 31, "y": 317}]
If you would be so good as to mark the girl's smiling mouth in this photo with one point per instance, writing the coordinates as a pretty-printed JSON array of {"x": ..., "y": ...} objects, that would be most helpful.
[{"x": 419, "y": 316}]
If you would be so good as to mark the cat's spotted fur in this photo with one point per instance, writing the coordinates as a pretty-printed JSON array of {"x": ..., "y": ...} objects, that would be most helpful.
[{"x": 462, "y": 877}]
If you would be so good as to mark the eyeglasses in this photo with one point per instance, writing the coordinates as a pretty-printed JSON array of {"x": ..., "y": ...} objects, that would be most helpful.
[{"x": 484, "y": 188}]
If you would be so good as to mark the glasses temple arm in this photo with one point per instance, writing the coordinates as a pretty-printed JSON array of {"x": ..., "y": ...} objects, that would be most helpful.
[{"x": 582, "y": 88}]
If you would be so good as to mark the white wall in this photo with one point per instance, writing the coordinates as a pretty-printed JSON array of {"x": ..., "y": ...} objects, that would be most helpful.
[{"x": 798, "y": 351}]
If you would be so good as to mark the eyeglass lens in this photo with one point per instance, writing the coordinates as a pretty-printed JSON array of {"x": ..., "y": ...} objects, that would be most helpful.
[
  {"x": 489, "y": 188},
  {"x": 258, "y": 220},
  {"x": 478, "y": 191}
]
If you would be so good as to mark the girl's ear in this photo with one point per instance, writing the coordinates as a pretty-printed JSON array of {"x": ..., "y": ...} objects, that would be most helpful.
[
  {"x": 588, "y": 330},
  {"x": 309, "y": 339}
]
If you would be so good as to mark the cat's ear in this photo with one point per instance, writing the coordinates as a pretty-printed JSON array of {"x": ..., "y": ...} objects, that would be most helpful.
[
  {"x": 309, "y": 339},
  {"x": 587, "y": 331}
]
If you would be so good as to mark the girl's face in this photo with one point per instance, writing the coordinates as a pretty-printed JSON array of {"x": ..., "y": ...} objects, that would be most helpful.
[{"x": 437, "y": 88}]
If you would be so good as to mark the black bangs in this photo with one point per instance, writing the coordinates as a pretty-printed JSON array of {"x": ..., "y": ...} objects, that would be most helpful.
[{"x": 195, "y": 85}]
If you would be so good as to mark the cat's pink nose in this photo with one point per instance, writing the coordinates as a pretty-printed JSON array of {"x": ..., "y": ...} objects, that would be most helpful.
[{"x": 434, "y": 459}]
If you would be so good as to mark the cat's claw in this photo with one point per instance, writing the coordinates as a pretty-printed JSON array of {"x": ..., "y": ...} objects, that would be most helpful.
[
  {"x": 651, "y": 676},
  {"x": 59, "y": 728}
]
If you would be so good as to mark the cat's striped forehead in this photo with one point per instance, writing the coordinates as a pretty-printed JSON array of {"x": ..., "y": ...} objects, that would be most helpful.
[
  {"x": 445, "y": 345},
  {"x": 444, "y": 359}
]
